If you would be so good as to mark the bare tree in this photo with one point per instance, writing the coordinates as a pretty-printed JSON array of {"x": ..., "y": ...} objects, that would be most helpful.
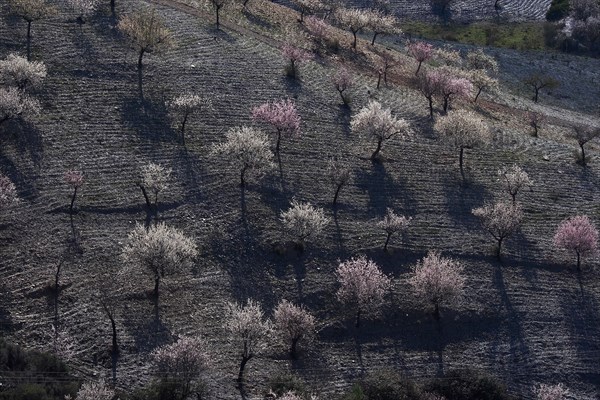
[
  {"x": 94, "y": 391},
  {"x": 154, "y": 179},
  {"x": 108, "y": 297},
  {"x": 513, "y": 179},
  {"x": 31, "y": 11},
  {"x": 303, "y": 221},
  {"x": 308, "y": 7},
  {"x": 248, "y": 329},
  {"x": 500, "y": 219},
  {"x": 161, "y": 250},
  {"x": 339, "y": 174},
  {"x": 14, "y": 103},
  {"x": 186, "y": 105},
  {"x": 464, "y": 129},
  {"x": 538, "y": 81},
  {"x": 392, "y": 223},
  {"x": 536, "y": 120},
  {"x": 352, "y": 19},
  {"x": 293, "y": 323},
  {"x": 247, "y": 149},
  {"x": 17, "y": 71},
  {"x": 373, "y": 121},
  {"x": 583, "y": 134},
  {"x": 75, "y": 180},
  {"x": 8, "y": 192},
  {"x": 218, "y": 5},
  {"x": 362, "y": 286},
  {"x": 438, "y": 280},
  {"x": 180, "y": 364},
  {"x": 578, "y": 235},
  {"x": 146, "y": 31}
]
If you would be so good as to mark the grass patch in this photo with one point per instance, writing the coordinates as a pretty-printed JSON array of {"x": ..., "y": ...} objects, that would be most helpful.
[{"x": 519, "y": 36}]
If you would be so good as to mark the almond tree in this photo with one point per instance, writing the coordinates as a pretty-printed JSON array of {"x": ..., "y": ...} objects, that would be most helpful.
[
  {"x": 383, "y": 65},
  {"x": 94, "y": 391},
  {"x": 185, "y": 105},
  {"x": 83, "y": 8},
  {"x": 583, "y": 134},
  {"x": 249, "y": 329},
  {"x": 352, "y": 19},
  {"x": 15, "y": 103},
  {"x": 75, "y": 180},
  {"x": 478, "y": 60},
  {"x": 481, "y": 81},
  {"x": 339, "y": 174},
  {"x": 421, "y": 52},
  {"x": 428, "y": 84},
  {"x": 248, "y": 150},
  {"x": 362, "y": 286},
  {"x": 293, "y": 323},
  {"x": 308, "y": 7},
  {"x": 295, "y": 55},
  {"x": 381, "y": 23},
  {"x": 154, "y": 180},
  {"x": 17, "y": 71},
  {"x": 8, "y": 192},
  {"x": 218, "y": 5},
  {"x": 513, "y": 179},
  {"x": 179, "y": 364},
  {"x": 318, "y": 28},
  {"x": 451, "y": 85},
  {"x": 303, "y": 221},
  {"x": 146, "y": 31},
  {"x": 30, "y": 11},
  {"x": 392, "y": 223},
  {"x": 500, "y": 219},
  {"x": 579, "y": 235},
  {"x": 281, "y": 115},
  {"x": 373, "y": 121},
  {"x": 161, "y": 250},
  {"x": 552, "y": 392},
  {"x": 538, "y": 81},
  {"x": 438, "y": 280},
  {"x": 107, "y": 295},
  {"x": 536, "y": 120},
  {"x": 464, "y": 129},
  {"x": 343, "y": 80}
]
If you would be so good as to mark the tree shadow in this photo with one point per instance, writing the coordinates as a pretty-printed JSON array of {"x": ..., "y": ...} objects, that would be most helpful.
[
  {"x": 145, "y": 325},
  {"x": 219, "y": 34},
  {"x": 150, "y": 119},
  {"x": 461, "y": 198},
  {"x": 442, "y": 9},
  {"x": 292, "y": 85},
  {"x": 257, "y": 19},
  {"x": 26, "y": 137},
  {"x": 343, "y": 117}
]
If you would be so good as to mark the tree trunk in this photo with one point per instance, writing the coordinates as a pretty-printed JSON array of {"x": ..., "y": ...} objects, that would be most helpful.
[
  {"x": 301, "y": 15},
  {"x": 293, "y": 65},
  {"x": 358, "y": 312},
  {"x": 4, "y": 119},
  {"x": 535, "y": 129},
  {"x": 245, "y": 360},
  {"x": 378, "y": 79},
  {"x": 112, "y": 7},
  {"x": 115, "y": 345},
  {"x": 242, "y": 175},
  {"x": 436, "y": 310},
  {"x": 342, "y": 96},
  {"x": 29, "y": 40},
  {"x": 460, "y": 162},
  {"x": 418, "y": 68},
  {"x": 430, "y": 99},
  {"x": 293, "y": 348},
  {"x": 140, "y": 58},
  {"x": 582, "y": 155},
  {"x": 278, "y": 141},
  {"x": 389, "y": 235},
  {"x": 374, "y": 37},
  {"x": 148, "y": 203},
  {"x": 578, "y": 261},
  {"x": 535, "y": 97},
  {"x": 514, "y": 198},
  {"x": 446, "y": 104},
  {"x": 499, "y": 249},
  {"x": 376, "y": 152},
  {"x": 477, "y": 95},
  {"x": 185, "y": 117},
  {"x": 72, "y": 201},
  {"x": 156, "y": 283},
  {"x": 354, "y": 42},
  {"x": 335, "y": 196},
  {"x": 218, "y": 9}
]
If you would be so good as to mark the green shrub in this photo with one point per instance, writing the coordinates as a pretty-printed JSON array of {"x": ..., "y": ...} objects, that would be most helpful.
[
  {"x": 384, "y": 385},
  {"x": 558, "y": 10},
  {"x": 469, "y": 385},
  {"x": 281, "y": 384}
]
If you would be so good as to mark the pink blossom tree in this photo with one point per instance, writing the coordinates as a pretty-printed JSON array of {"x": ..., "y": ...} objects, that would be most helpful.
[
  {"x": 500, "y": 219},
  {"x": 317, "y": 28},
  {"x": 295, "y": 55},
  {"x": 8, "y": 192},
  {"x": 577, "y": 234},
  {"x": 75, "y": 180},
  {"x": 429, "y": 85},
  {"x": 551, "y": 392},
  {"x": 375, "y": 122},
  {"x": 451, "y": 85},
  {"x": 281, "y": 115},
  {"x": 293, "y": 323},
  {"x": 343, "y": 80},
  {"x": 464, "y": 129},
  {"x": 249, "y": 329},
  {"x": 180, "y": 364},
  {"x": 362, "y": 286},
  {"x": 392, "y": 223},
  {"x": 421, "y": 52},
  {"x": 438, "y": 280}
]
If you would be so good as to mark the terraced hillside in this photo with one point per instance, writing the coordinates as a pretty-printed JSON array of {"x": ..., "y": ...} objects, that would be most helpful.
[{"x": 529, "y": 319}]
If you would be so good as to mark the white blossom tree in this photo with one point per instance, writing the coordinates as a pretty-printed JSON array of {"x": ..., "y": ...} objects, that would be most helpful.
[
  {"x": 438, "y": 280},
  {"x": 180, "y": 364},
  {"x": 17, "y": 71},
  {"x": 464, "y": 129},
  {"x": 375, "y": 122},
  {"x": 303, "y": 221},
  {"x": 14, "y": 103},
  {"x": 583, "y": 134},
  {"x": 551, "y": 392},
  {"x": 362, "y": 287},
  {"x": 500, "y": 219},
  {"x": 154, "y": 179},
  {"x": 353, "y": 19},
  {"x": 513, "y": 179},
  {"x": 8, "y": 192},
  {"x": 249, "y": 329},
  {"x": 392, "y": 223},
  {"x": 94, "y": 391},
  {"x": 247, "y": 149},
  {"x": 185, "y": 105},
  {"x": 31, "y": 11},
  {"x": 83, "y": 8},
  {"x": 481, "y": 81},
  {"x": 339, "y": 174},
  {"x": 380, "y": 23},
  {"x": 293, "y": 323},
  {"x": 308, "y": 7},
  {"x": 161, "y": 250}
]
